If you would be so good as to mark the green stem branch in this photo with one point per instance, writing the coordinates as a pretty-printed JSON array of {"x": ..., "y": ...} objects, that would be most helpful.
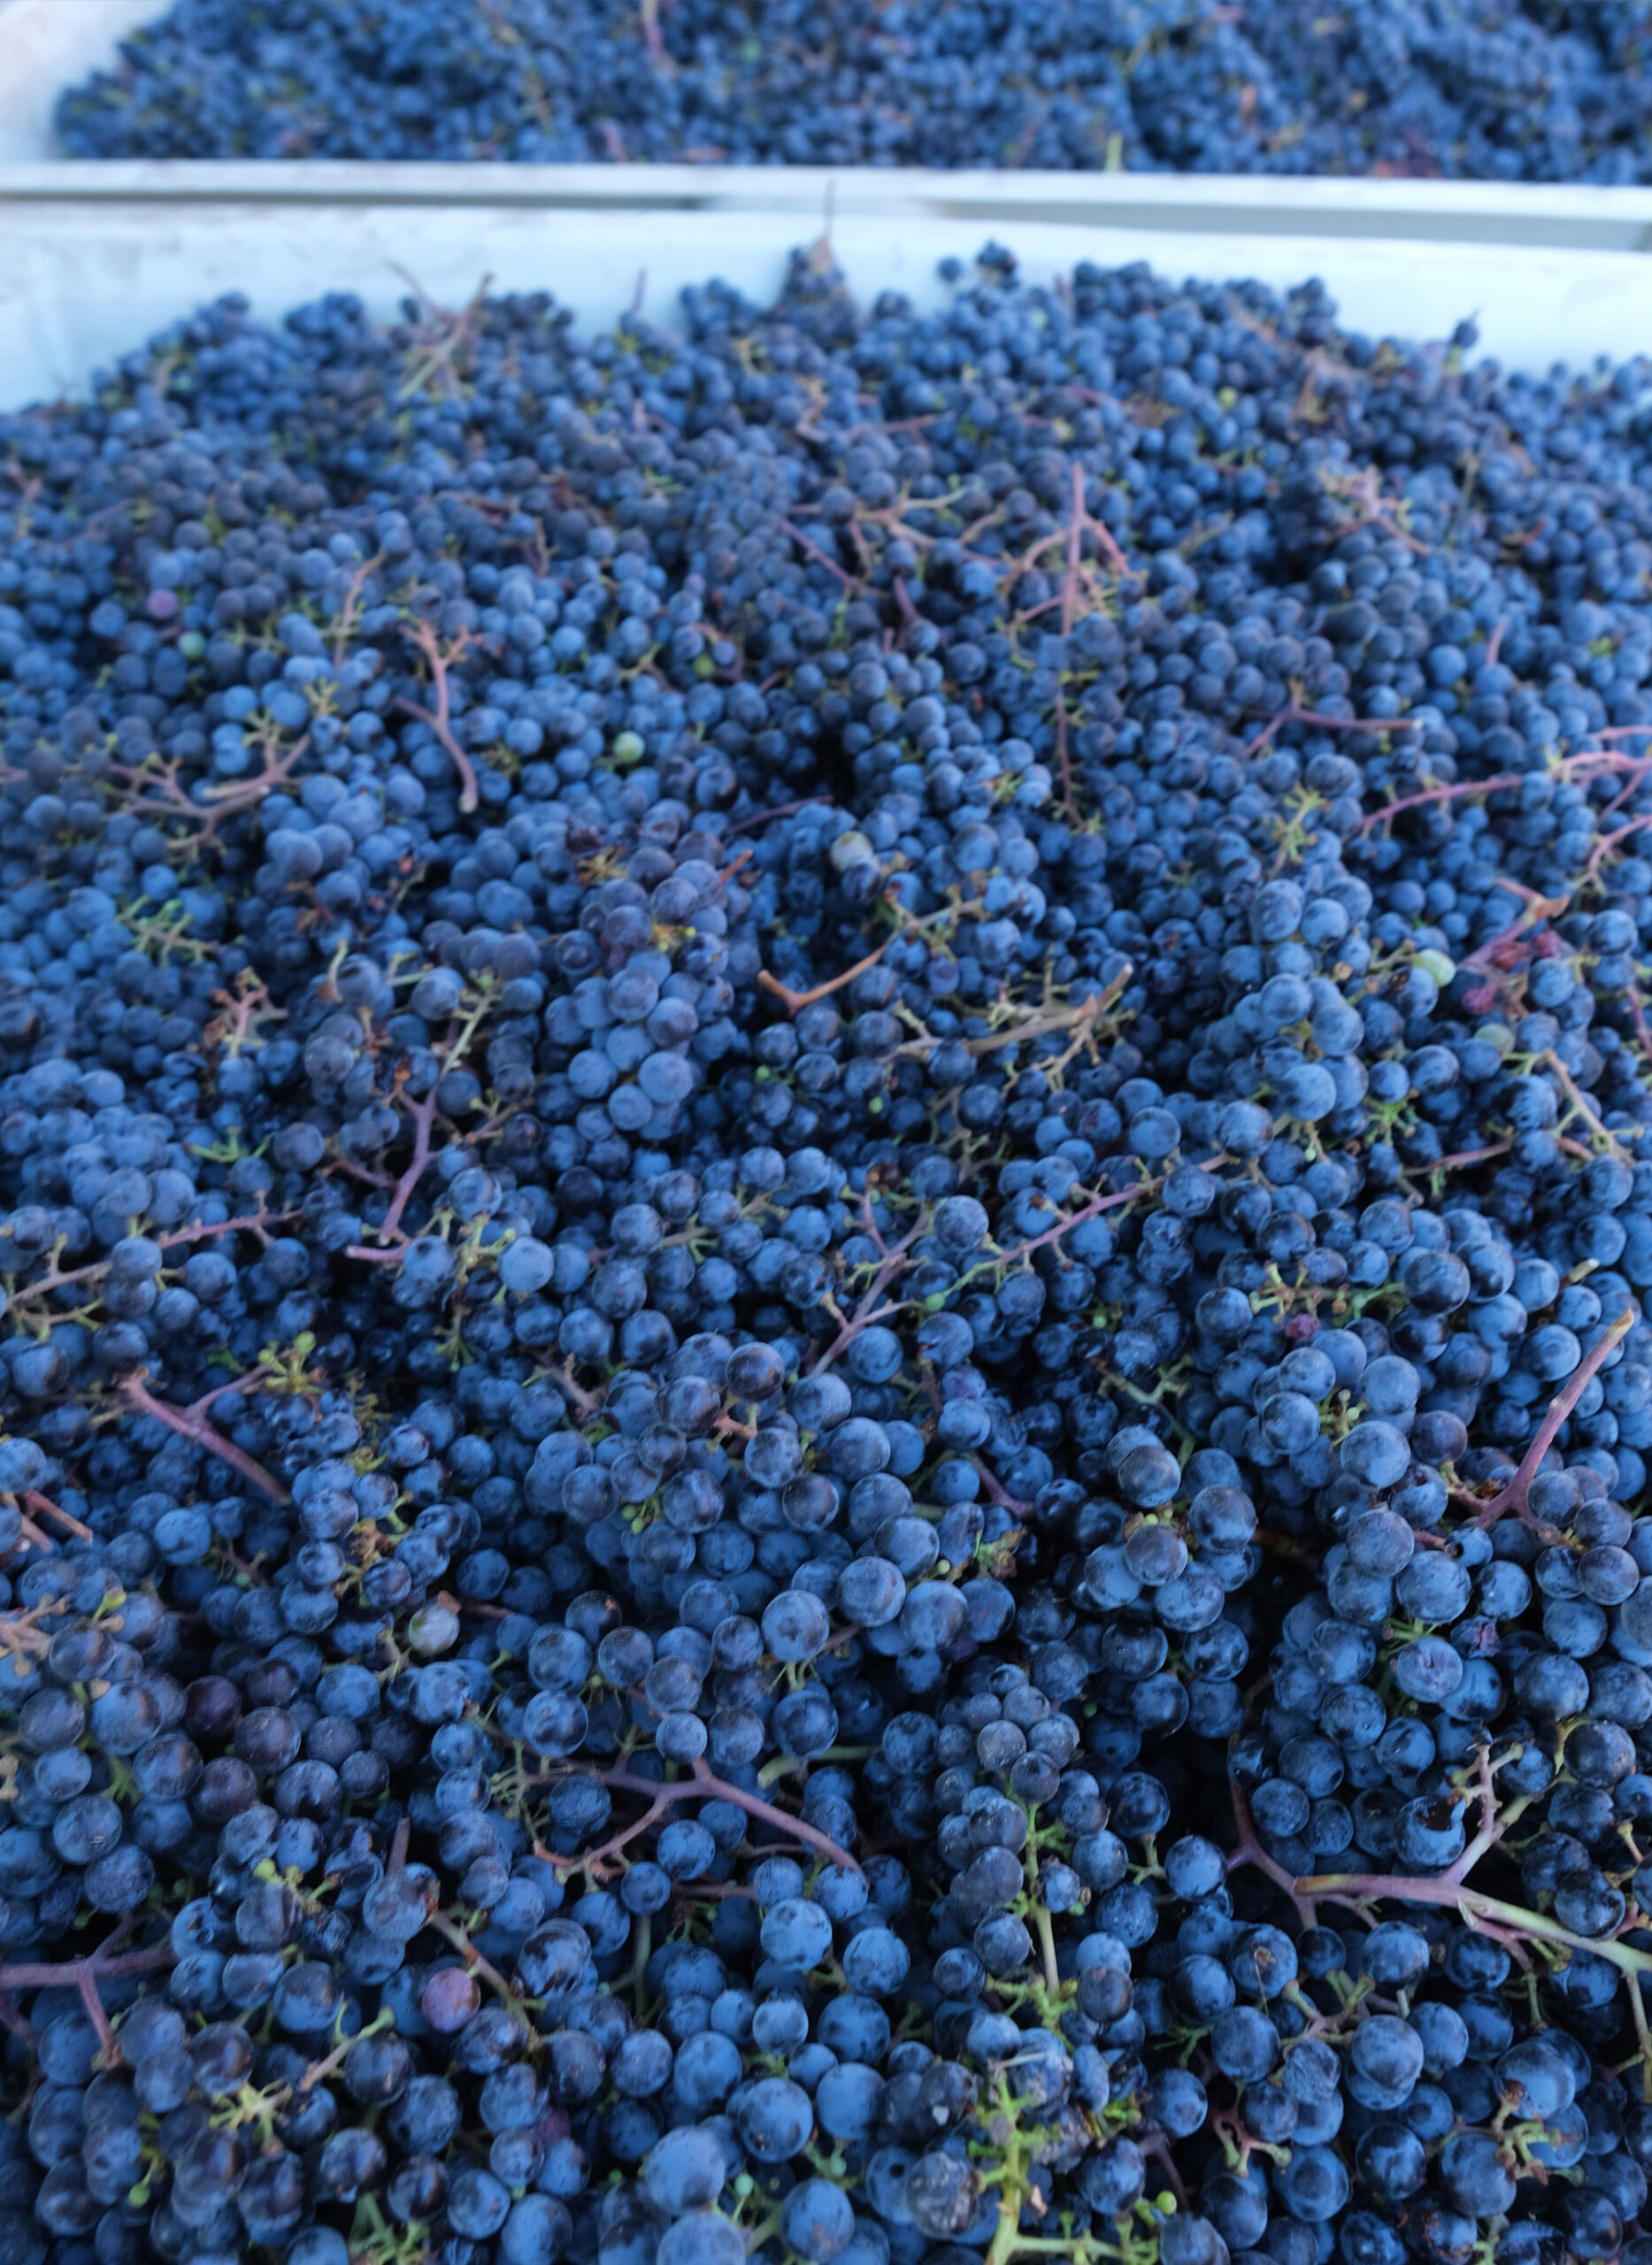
[{"x": 1471, "y": 1906}]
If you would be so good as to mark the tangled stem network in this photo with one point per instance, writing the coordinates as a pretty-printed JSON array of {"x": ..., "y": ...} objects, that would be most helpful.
[{"x": 823, "y": 1383}]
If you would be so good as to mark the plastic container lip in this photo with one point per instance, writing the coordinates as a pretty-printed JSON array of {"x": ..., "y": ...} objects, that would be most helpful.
[{"x": 1539, "y": 215}]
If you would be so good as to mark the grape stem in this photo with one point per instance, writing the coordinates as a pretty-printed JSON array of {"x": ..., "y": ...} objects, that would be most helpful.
[
  {"x": 794, "y": 1002},
  {"x": 702, "y": 1785},
  {"x": 1472, "y": 1908},
  {"x": 172, "y": 801},
  {"x": 641, "y": 1951},
  {"x": 705, "y": 1785},
  {"x": 42, "y": 1506},
  {"x": 586, "y": 1403},
  {"x": 1580, "y": 1103},
  {"x": 450, "y": 1932},
  {"x": 189, "y": 1424},
  {"x": 236, "y": 1384},
  {"x": 1042, "y": 1022},
  {"x": 813, "y": 550},
  {"x": 1498, "y": 955},
  {"x": 1250, "y": 1851},
  {"x": 1069, "y": 608},
  {"x": 1153, "y": 2143},
  {"x": 1046, "y": 1931},
  {"x": 353, "y": 590},
  {"x": 1294, "y": 715},
  {"x": 1512, "y": 1497},
  {"x": 318, "y": 2072},
  {"x": 997, "y": 1492},
  {"x": 1597, "y": 758},
  {"x": 1493, "y": 1824},
  {"x": 423, "y": 636},
  {"x": 870, "y": 1308},
  {"x": 593, "y": 1858},
  {"x": 1638, "y": 1015},
  {"x": 1643, "y": 2035},
  {"x": 84, "y": 1975},
  {"x": 1463, "y": 1157},
  {"x": 258, "y": 1222},
  {"x": 423, "y": 1116},
  {"x": 779, "y": 809},
  {"x": 1090, "y": 1209},
  {"x": 652, "y": 39},
  {"x": 1453, "y": 793}
]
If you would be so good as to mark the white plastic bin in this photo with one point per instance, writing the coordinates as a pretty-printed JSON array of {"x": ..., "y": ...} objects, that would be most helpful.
[
  {"x": 98, "y": 257},
  {"x": 46, "y": 45}
]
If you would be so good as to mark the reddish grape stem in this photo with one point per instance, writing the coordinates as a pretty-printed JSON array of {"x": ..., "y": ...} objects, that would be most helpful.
[
  {"x": 189, "y": 1424},
  {"x": 84, "y": 1975},
  {"x": 439, "y": 718},
  {"x": 705, "y": 1785},
  {"x": 1512, "y": 1497}
]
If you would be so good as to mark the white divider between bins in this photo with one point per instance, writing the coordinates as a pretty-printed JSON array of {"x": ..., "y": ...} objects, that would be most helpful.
[
  {"x": 1545, "y": 216},
  {"x": 86, "y": 279}
]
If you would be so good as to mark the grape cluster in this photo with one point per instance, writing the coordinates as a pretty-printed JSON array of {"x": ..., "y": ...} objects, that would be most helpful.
[
  {"x": 1494, "y": 90},
  {"x": 822, "y": 1229}
]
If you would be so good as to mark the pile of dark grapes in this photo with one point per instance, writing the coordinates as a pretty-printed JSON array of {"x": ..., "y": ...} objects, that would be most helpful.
[
  {"x": 822, "y": 1225},
  {"x": 1493, "y": 89}
]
